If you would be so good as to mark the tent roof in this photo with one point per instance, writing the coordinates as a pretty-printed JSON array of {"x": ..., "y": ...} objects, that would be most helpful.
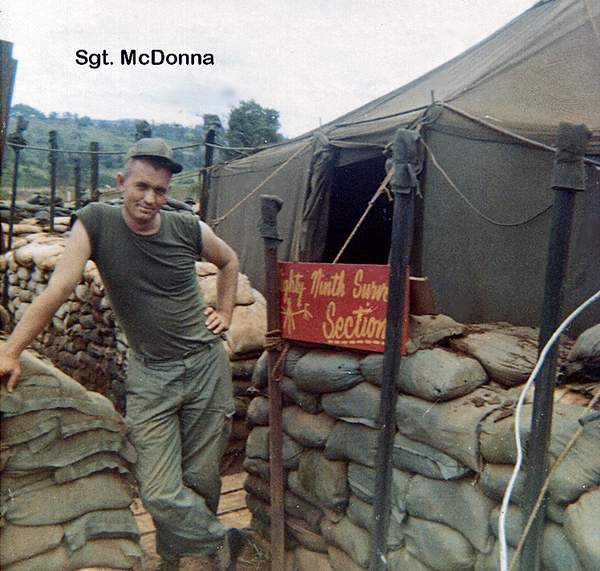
[{"x": 541, "y": 68}]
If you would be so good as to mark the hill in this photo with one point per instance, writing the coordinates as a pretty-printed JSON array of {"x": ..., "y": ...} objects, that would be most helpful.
[{"x": 75, "y": 133}]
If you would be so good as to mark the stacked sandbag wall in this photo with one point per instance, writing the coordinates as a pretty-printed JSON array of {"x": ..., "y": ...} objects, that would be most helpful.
[
  {"x": 83, "y": 339},
  {"x": 453, "y": 454},
  {"x": 66, "y": 485}
]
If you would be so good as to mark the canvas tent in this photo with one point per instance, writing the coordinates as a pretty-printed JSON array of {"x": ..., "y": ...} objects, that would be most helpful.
[{"x": 488, "y": 119}]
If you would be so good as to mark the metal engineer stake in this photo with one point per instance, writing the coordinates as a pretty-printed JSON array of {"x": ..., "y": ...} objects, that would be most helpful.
[
  {"x": 270, "y": 207},
  {"x": 568, "y": 177},
  {"x": 404, "y": 185}
]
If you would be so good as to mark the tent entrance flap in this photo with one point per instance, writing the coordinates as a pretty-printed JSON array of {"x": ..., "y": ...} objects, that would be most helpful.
[{"x": 352, "y": 188}]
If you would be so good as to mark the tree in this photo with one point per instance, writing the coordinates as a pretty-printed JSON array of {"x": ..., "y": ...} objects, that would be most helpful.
[
  {"x": 251, "y": 125},
  {"x": 26, "y": 111}
]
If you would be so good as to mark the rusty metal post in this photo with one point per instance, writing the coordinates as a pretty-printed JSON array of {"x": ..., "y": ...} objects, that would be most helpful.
[
  {"x": 94, "y": 192},
  {"x": 404, "y": 186},
  {"x": 52, "y": 158},
  {"x": 568, "y": 179},
  {"x": 270, "y": 207}
]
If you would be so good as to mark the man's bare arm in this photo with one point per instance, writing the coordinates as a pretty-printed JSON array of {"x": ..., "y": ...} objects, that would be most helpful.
[
  {"x": 66, "y": 277},
  {"x": 222, "y": 255}
]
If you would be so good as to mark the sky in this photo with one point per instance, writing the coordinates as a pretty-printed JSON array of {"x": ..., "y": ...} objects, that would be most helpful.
[{"x": 312, "y": 61}]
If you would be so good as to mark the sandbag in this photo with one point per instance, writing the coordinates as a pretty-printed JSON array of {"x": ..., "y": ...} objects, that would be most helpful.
[
  {"x": 438, "y": 546},
  {"x": 248, "y": 328},
  {"x": 341, "y": 444},
  {"x": 326, "y": 371},
  {"x": 557, "y": 553},
  {"x": 371, "y": 368},
  {"x": 297, "y": 507},
  {"x": 326, "y": 479},
  {"x": 257, "y": 446},
  {"x": 361, "y": 480},
  {"x": 297, "y": 488},
  {"x": 100, "y": 491},
  {"x": 100, "y": 462},
  {"x": 437, "y": 374},
  {"x": 19, "y": 542},
  {"x": 38, "y": 454},
  {"x": 360, "y": 513},
  {"x": 351, "y": 539},
  {"x": 260, "y": 375},
  {"x": 402, "y": 560},
  {"x": 208, "y": 290},
  {"x": 112, "y": 553},
  {"x": 452, "y": 426},
  {"x": 258, "y": 488},
  {"x": 341, "y": 561},
  {"x": 507, "y": 354},
  {"x": 293, "y": 355},
  {"x": 257, "y": 413},
  {"x": 257, "y": 467},
  {"x": 243, "y": 368},
  {"x": 359, "y": 404},
  {"x": 309, "y": 402},
  {"x": 579, "y": 471},
  {"x": 491, "y": 561},
  {"x": 494, "y": 481},
  {"x": 584, "y": 356},
  {"x": 582, "y": 527},
  {"x": 427, "y": 330},
  {"x": 311, "y": 430},
  {"x": 303, "y": 559},
  {"x": 460, "y": 504},
  {"x": 305, "y": 535},
  {"x": 422, "y": 459}
]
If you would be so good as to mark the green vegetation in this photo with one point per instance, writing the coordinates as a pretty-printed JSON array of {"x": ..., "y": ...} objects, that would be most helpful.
[{"x": 75, "y": 133}]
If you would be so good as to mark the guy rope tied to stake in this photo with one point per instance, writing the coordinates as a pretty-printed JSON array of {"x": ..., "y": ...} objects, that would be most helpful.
[{"x": 270, "y": 207}]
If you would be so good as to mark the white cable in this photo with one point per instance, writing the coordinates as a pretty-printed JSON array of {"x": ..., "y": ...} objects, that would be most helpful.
[{"x": 518, "y": 463}]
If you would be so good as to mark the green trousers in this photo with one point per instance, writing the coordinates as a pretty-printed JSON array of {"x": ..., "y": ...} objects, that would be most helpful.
[{"x": 180, "y": 414}]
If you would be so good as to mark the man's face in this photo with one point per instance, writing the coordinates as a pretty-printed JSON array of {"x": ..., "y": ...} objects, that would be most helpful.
[{"x": 144, "y": 189}]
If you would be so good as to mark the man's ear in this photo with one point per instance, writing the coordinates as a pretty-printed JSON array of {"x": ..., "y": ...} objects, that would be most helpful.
[{"x": 120, "y": 179}]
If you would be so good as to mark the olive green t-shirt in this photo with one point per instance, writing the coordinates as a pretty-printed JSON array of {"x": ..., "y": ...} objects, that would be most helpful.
[{"x": 151, "y": 280}]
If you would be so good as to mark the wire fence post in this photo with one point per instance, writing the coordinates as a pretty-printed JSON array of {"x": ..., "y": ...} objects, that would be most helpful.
[
  {"x": 94, "y": 192},
  {"x": 209, "y": 151},
  {"x": 52, "y": 158},
  {"x": 77, "y": 177},
  {"x": 16, "y": 142}
]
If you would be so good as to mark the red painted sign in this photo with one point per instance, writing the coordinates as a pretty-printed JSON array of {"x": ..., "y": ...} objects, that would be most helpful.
[{"x": 335, "y": 304}]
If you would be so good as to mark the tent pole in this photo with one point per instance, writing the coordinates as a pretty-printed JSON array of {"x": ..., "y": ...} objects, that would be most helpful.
[
  {"x": 403, "y": 184},
  {"x": 568, "y": 178},
  {"x": 270, "y": 206}
]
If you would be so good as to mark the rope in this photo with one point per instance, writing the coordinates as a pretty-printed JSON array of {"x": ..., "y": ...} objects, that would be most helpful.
[
  {"x": 274, "y": 342},
  {"x": 547, "y": 482},
  {"x": 66, "y": 151},
  {"x": 217, "y": 221},
  {"x": 472, "y": 206},
  {"x": 382, "y": 188}
]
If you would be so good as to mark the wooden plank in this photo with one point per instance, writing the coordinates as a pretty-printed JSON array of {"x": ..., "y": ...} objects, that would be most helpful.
[
  {"x": 233, "y": 482},
  {"x": 239, "y": 519},
  {"x": 233, "y": 501}
]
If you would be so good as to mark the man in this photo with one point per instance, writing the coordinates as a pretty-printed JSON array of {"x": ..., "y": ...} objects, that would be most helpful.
[{"x": 179, "y": 392}]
